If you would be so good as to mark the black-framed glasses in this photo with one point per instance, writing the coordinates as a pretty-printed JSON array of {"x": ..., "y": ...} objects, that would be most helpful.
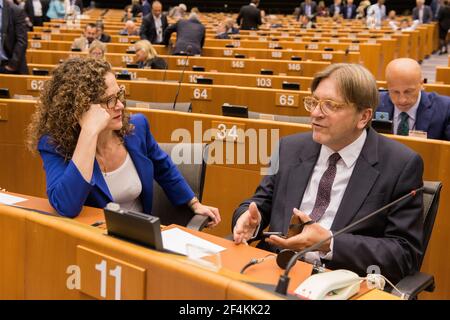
[
  {"x": 111, "y": 102},
  {"x": 326, "y": 106}
]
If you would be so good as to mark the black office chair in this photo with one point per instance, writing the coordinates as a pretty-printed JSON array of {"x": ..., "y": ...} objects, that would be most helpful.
[
  {"x": 414, "y": 284},
  {"x": 195, "y": 175}
]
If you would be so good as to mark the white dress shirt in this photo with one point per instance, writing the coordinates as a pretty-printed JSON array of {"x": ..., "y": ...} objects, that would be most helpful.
[
  {"x": 37, "y": 8},
  {"x": 379, "y": 13},
  {"x": 344, "y": 170},
  {"x": 158, "y": 26},
  {"x": 411, "y": 113}
]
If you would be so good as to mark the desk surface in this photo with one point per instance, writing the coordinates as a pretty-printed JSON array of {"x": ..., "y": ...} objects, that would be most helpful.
[{"x": 233, "y": 258}]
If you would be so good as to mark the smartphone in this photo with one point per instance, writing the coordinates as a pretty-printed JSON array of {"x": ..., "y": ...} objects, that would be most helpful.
[{"x": 274, "y": 233}]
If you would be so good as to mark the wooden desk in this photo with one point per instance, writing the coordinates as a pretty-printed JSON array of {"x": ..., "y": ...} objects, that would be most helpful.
[
  {"x": 45, "y": 253},
  {"x": 236, "y": 181}
]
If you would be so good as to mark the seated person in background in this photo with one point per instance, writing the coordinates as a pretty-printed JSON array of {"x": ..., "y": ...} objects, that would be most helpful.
[
  {"x": 147, "y": 57},
  {"x": 409, "y": 106},
  {"x": 94, "y": 152},
  {"x": 128, "y": 15},
  {"x": 90, "y": 34},
  {"x": 230, "y": 27},
  {"x": 97, "y": 49},
  {"x": 340, "y": 172},
  {"x": 101, "y": 35},
  {"x": 190, "y": 36},
  {"x": 178, "y": 12},
  {"x": 306, "y": 23},
  {"x": 56, "y": 9},
  {"x": 130, "y": 29},
  {"x": 221, "y": 32},
  {"x": 225, "y": 28},
  {"x": 322, "y": 10}
]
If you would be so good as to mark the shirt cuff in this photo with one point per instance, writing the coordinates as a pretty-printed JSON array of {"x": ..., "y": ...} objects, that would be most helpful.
[{"x": 329, "y": 254}]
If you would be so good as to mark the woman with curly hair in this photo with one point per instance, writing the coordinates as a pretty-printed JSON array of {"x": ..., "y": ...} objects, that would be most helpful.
[{"x": 94, "y": 152}]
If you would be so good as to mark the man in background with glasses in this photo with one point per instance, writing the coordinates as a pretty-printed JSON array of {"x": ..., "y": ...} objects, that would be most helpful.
[{"x": 340, "y": 172}]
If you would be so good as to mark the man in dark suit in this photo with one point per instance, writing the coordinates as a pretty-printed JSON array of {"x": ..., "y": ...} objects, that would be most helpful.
[
  {"x": 154, "y": 24},
  {"x": 422, "y": 12},
  {"x": 409, "y": 106},
  {"x": 349, "y": 10},
  {"x": 249, "y": 17},
  {"x": 307, "y": 8},
  {"x": 14, "y": 39},
  {"x": 338, "y": 173},
  {"x": 336, "y": 8},
  {"x": 190, "y": 36},
  {"x": 36, "y": 11}
]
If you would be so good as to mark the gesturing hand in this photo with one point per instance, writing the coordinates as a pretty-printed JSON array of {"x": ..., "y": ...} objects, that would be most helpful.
[{"x": 246, "y": 224}]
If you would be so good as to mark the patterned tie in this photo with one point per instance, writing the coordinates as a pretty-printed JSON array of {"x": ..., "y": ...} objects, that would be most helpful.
[
  {"x": 403, "y": 126},
  {"x": 324, "y": 191}
]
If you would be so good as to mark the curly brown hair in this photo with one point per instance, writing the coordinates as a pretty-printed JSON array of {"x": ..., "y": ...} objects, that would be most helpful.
[{"x": 74, "y": 86}]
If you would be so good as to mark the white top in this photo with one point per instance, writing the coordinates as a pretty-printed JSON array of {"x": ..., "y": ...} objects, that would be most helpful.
[
  {"x": 344, "y": 170},
  {"x": 125, "y": 186},
  {"x": 411, "y": 113},
  {"x": 37, "y": 8}
]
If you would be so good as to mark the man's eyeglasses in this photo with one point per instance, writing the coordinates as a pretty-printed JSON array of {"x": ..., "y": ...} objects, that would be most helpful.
[
  {"x": 111, "y": 102},
  {"x": 326, "y": 106}
]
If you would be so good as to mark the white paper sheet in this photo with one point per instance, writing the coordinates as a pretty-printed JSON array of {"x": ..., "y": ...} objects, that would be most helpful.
[
  {"x": 9, "y": 199},
  {"x": 176, "y": 240}
]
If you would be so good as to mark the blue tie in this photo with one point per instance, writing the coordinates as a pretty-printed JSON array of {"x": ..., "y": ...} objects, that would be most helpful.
[{"x": 403, "y": 126}]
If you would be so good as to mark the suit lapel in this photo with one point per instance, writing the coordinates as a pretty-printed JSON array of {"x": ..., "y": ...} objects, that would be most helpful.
[
  {"x": 424, "y": 113},
  {"x": 299, "y": 175},
  {"x": 361, "y": 181}
]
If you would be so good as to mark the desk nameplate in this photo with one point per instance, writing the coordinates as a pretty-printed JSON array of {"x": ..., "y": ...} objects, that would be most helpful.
[{"x": 105, "y": 277}]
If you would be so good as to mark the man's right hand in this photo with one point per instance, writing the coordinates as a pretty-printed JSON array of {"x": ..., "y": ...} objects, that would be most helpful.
[{"x": 246, "y": 224}]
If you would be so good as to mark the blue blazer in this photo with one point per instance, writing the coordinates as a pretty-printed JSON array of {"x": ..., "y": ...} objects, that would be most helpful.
[
  {"x": 433, "y": 114},
  {"x": 68, "y": 191}
]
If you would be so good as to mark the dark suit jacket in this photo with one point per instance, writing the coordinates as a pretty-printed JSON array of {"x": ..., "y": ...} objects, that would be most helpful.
[
  {"x": 14, "y": 36},
  {"x": 433, "y": 114},
  {"x": 427, "y": 14},
  {"x": 190, "y": 32},
  {"x": 332, "y": 9},
  {"x": 353, "y": 15},
  {"x": 303, "y": 10},
  {"x": 384, "y": 171},
  {"x": 148, "y": 29},
  {"x": 106, "y": 38},
  {"x": 29, "y": 9},
  {"x": 250, "y": 16}
]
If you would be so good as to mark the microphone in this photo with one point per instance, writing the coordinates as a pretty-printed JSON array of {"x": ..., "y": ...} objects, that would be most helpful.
[
  {"x": 165, "y": 72},
  {"x": 188, "y": 52},
  {"x": 292, "y": 256}
]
